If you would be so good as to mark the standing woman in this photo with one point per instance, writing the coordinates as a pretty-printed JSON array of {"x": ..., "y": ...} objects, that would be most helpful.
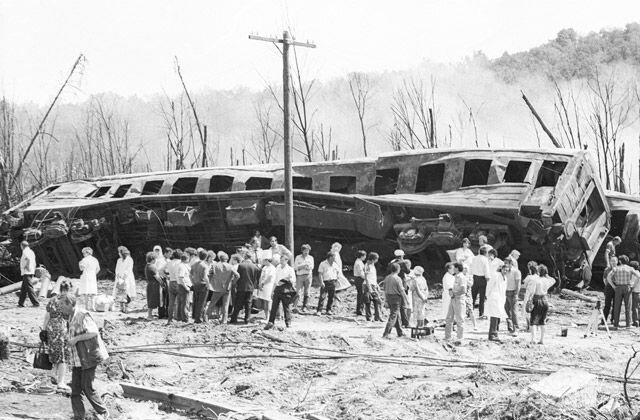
[
  {"x": 55, "y": 325},
  {"x": 343, "y": 283},
  {"x": 539, "y": 286},
  {"x": 153, "y": 278},
  {"x": 284, "y": 292},
  {"x": 87, "y": 352},
  {"x": 447, "y": 283},
  {"x": 266, "y": 284},
  {"x": 496, "y": 297},
  {"x": 124, "y": 274},
  {"x": 420, "y": 293},
  {"x": 88, "y": 287}
]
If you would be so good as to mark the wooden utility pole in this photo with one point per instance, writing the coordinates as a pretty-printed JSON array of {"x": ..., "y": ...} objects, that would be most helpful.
[{"x": 286, "y": 41}]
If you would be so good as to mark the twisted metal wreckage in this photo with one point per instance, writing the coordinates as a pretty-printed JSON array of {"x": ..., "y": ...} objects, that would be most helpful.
[{"x": 549, "y": 204}]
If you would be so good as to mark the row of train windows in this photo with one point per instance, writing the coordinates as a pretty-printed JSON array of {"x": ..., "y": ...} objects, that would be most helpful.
[{"x": 430, "y": 179}]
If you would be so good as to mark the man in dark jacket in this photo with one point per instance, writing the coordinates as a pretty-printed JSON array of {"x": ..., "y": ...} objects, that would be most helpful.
[{"x": 249, "y": 276}]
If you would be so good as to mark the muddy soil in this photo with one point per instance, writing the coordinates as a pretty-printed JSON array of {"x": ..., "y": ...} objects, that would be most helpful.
[{"x": 339, "y": 367}]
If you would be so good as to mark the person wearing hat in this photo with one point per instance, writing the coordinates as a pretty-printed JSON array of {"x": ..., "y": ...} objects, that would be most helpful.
[
  {"x": 405, "y": 268},
  {"x": 303, "y": 266},
  {"x": 496, "y": 297},
  {"x": 27, "y": 270}
]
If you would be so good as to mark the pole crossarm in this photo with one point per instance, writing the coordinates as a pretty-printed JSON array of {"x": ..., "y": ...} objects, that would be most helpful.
[{"x": 281, "y": 41}]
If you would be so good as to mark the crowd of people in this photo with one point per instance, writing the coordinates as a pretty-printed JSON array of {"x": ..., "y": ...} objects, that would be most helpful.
[{"x": 215, "y": 287}]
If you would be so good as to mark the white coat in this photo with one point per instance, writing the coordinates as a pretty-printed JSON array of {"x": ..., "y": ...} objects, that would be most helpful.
[
  {"x": 447, "y": 283},
  {"x": 88, "y": 284},
  {"x": 496, "y": 296},
  {"x": 267, "y": 282},
  {"x": 124, "y": 268}
]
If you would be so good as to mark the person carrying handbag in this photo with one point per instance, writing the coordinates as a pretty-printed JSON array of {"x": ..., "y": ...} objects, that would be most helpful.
[{"x": 87, "y": 352}]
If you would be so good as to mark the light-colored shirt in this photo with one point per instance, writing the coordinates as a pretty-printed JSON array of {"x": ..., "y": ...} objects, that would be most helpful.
[
  {"x": 221, "y": 276},
  {"x": 459, "y": 287},
  {"x": 419, "y": 288},
  {"x": 540, "y": 285},
  {"x": 199, "y": 273},
  {"x": 329, "y": 271},
  {"x": 285, "y": 275},
  {"x": 624, "y": 275},
  {"x": 80, "y": 323},
  {"x": 480, "y": 266},
  {"x": 358, "y": 268},
  {"x": 370, "y": 274},
  {"x": 514, "y": 279},
  {"x": 464, "y": 256},
  {"x": 27, "y": 262},
  {"x": 172, "y": 269},
  {"x": 183, "y": 271},
  {"x": 304, "y": 265}
]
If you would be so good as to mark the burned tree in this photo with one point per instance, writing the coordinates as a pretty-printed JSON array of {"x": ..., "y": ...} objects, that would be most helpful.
[
  {"x": 360, "y": 88},
  {"x": 413, "y": 108},
  {"x": 269, "y": 137}
]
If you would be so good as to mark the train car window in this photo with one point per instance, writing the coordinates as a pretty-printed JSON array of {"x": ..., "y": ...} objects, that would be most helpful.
[
  {"x": 302, "y": 183},
  {"x": 549, "y": 173},
  {"x": 99, "y": 192},
  {"x": 152, "y": 187},
  {"x": 220, "y": 183},
  {"x": 430, "y": 178},
  {"x": 386, "y": 181},
  {"x": 185, "y": 185},
  {"x": 516, "y": 171},
  {"x": 476, "y": 172},
  {"x": 342, "y": 184},
  {"x": 257, "y": 183},
  {"x": 591, "y": 211},
  {"x": 121, "y": 191}
]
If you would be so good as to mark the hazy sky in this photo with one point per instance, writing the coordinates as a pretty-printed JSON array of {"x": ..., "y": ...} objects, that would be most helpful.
[{"x": 130, "y": 44}]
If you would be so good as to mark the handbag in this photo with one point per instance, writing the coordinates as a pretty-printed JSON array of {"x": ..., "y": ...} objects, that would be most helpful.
[
  {"x": 528, "y": 307},
  {"x": 41, "y": 359}
]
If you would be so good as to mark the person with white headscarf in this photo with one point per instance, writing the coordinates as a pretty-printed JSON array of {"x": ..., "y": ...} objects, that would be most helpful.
[
  {"x": 343, "y": 283},
  {"x": 88, "y": 286},
  {"x": 124, "y": 287},
  {"x": 420, "y": 293}
]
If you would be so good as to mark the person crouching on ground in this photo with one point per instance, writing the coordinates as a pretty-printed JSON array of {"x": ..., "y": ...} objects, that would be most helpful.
[
  {"x": 284, "y": 292},
  {"x": 496, "y": 297},
  {"x": 370, "y": 288},
  {"x": 457, "y": 305},
  {"x": 87, "y": 352},
  {"x": 396, "y": 299},
  {"x": 420, "y": 293}
]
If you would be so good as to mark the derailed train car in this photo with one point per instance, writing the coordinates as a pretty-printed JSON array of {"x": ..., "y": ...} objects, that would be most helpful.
[{"x": 549, "y": 204}]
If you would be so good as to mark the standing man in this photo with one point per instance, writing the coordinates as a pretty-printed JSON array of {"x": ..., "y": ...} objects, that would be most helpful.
[
  {"x": 303, "y": 266},
  {"x": 610, "y": 249},
  {"x": 457, "y": 304},
  {"x": 279, "y": 249},
  {"x": 221, "y": 279},
  {"x": 358, "y": 279},
  {"x": 396, "y": 298},
  {"x": 328, "y": 272},
  {"x": 609, "y": 289},
  {"x": 27, "y": 270},
  {"x": 200, "y": 281},
  {"x": 249, "y": 276},
  {"x": 514, "y": 280},
  {"x": 481, "y": 273},
  {"x": 405, "y": 268},
  {"x": 623, "y": 278}
]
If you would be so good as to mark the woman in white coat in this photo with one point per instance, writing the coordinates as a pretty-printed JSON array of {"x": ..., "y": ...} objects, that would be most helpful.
[
  {"x": 88, "y": 287},
  {"x": 496, "y": 297},
  {"x": 124, "y": 288},
  {"x": 343, "y": 283},
  {"x": 447, "y": 283},
  {"x": 267, "y": 282}
]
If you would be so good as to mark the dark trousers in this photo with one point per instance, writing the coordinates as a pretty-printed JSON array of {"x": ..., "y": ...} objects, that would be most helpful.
[
  {"x": 243, "y": 301},
  {"x": 494, "y": 324},
  {"x": 173, "y": 294},
  {"x": 623, "y": 293},
  {"x": 479, "y": 288},
  {"x": 328, "y": 291},
  {"x": 372, "y": 298},
  {"x": 395, "y": 306},
  {"x": 283, "y": 294},
  {"x": 609, "y": 294},
  {"x": 635, "y": 307},
  {"x": 82, "y": 383},
  {"x": 181, "y": 304},
  {"x": 26, "y": 290},
  {"x": 360, "y": 294},
  {"x": 200, "y": 294},
  {"x": 511, "y": 308},
  {"x": 404, "y": 319}
]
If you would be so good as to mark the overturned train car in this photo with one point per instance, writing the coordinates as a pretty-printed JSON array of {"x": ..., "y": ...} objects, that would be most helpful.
[{"x": 550, "y": 205}]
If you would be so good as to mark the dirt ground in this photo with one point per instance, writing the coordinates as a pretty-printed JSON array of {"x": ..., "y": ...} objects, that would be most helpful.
[{"x": 339, "y": 367}]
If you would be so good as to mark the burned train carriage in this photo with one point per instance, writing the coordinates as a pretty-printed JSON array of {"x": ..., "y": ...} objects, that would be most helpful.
[{"x": 548, "y": 204}]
